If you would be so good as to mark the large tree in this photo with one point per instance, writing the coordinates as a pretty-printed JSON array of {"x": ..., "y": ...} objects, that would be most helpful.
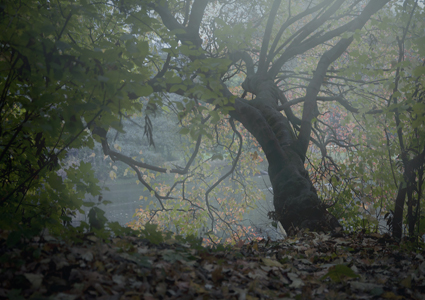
[
  {"x": 76, "y": 68},
  {"x": 269, "y": 40}
]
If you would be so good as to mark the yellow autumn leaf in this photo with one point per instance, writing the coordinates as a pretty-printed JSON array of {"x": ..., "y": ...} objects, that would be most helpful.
[
  {"x": 198, "y": 288},
  {"x": 99, "y": 265},
  {"x": 407, "y": 282}
]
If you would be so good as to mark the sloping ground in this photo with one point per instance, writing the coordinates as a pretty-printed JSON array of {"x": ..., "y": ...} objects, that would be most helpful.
[{"x": 311, "y": 266}]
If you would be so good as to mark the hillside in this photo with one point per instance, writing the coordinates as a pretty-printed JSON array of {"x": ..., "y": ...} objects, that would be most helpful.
[{"x": 309, "y": 266}]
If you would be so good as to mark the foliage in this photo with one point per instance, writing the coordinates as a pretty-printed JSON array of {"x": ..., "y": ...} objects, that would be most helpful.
[
  {"x": 187, "y": 210},
  {"x": 338, "y": 273},
  {"x": 66, "y": 70},
  {"x": 375, "y": 77},
  {"x": 81, "y": 73}
]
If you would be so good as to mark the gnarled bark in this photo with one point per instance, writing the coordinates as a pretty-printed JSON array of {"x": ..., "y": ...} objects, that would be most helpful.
[{"x": 296, "y": 202}]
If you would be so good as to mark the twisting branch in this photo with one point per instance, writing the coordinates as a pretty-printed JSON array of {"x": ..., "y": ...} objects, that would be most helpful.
[
  {"x": 131, "y": 162},
  {"x": 262, "y": 67},
  {"x": 150, "y": 189},
  {"x": 298, "y": 46},
  {"x": 310, "y": 110},
  {"x": 302, "y": 99},
  {"x": 288, "y": 23},
  {"x": 164, "y": 67},
  {"x": 242, "y": 55},
  {"x": 235, "y": 161}
]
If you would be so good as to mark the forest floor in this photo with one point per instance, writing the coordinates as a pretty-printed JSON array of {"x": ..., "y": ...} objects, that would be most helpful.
[{"x": 309, "y": 266}]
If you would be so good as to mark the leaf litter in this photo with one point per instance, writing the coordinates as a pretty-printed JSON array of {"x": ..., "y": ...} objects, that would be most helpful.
[{"x": 308, "y": 266}]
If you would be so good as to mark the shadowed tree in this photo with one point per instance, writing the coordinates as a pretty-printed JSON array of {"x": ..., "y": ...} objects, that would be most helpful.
[
  {"x": 207, "y": 42},
  {"x": 78, "y": 68}
]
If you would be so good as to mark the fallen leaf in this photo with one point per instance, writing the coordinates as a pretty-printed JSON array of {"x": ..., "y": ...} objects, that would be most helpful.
[
  {"x": 217, "y": 275},
  {"x": 407, "y": 282},
  {"x": 296, "y": 281},
  {"x": 271, "y": 262},
  {"x": 198, "y": 289},
  {"x": 35, "y": 279},
  {"x": 391, "y": 296},
  {"x": 364, "y": 286}
]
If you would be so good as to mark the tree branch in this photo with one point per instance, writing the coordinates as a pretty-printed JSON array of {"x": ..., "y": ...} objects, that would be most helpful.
[
  {"x": 247, "y": 59},
  {"x": 298, "y": 47},
  {"x": 196, "y": 14},
  {"x": 285, "y": 25},
  {"x": 310, "y": 110},
  {"x": 189, "y": 35},
  {"x": 262, "y": 67},
  {"x": 235, "y": 161},
  {"x": 131, "y": 162}
]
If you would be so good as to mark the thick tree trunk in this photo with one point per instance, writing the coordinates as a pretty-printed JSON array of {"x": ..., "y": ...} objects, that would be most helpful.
[{"x": 295, "y": 198}]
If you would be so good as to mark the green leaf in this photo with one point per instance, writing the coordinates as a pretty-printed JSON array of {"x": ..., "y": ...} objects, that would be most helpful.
[
  {"x": 184, "y": 131},
  {"x": 143, "y": 90},
  {"x": 15, "y": 294},
  {"x": 173, "y": 256},
  {"x": 62, "y": 45},
  {"x": 217, "y": 156},
  {"x": 177, "y": 87},
  {"x": 102, "y": 78},
  {"x": 418, "y": 71},
  {"x": 143, "y": 48},
  {"x": 152, "y": 234},
  {"x": 339, "y": 272},
  {"x": 13, "y": 238},
  {"x": 142, "y": 260}
]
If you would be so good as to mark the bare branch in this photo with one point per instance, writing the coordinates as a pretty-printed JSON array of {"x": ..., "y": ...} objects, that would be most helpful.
[
  {"x": 235, "y": 161},
  {"x": 285, "y": 25},
  {"x": 164, "y": 67},
  {"x": 302, "y": 99},
  {"x": 310, "y": 106},
  {"x": 262, "y": 67},
  {"x": 298, "y": 47},
  {"x": 131, "y": 162}
]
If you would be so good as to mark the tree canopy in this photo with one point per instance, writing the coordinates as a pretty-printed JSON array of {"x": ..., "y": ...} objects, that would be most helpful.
[{"x": 297, "y": 84}]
